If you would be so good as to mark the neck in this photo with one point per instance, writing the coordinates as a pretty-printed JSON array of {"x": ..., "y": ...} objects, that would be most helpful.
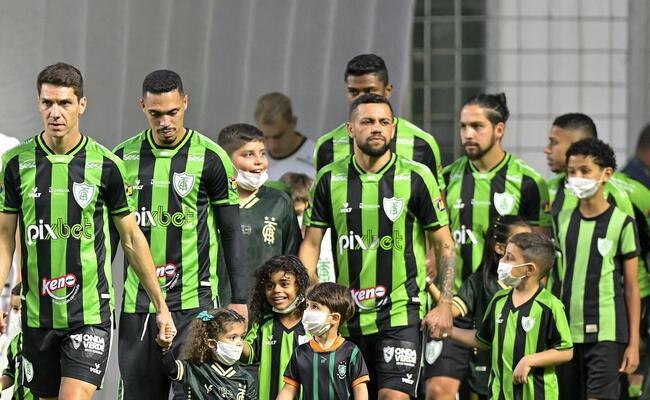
[
  {"x": 288, "y": 145},
  {"x": 243, "y": 193},
  {"x": 595, "y": 205},
  {"x": 291, "y": 319},
  {"x": 62, "y": 145},
  {"x": 180, "y": 139},
  {"x": 327, "y": 339},
  {"x": 491, "y": 159},
  {"x": 526, "y": 289},
  {"x": 372, "y": 164}
]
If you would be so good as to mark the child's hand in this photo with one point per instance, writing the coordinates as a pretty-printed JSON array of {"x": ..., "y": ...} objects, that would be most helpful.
[
  {"x": 520, "y": 374},
  {"x": 630, "y": 360}
]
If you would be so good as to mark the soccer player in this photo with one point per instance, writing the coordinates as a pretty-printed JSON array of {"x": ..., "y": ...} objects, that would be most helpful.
[
  {"x": 186, "y": 196},
  {"x": 6, "y": 143},
  {"x": 485, "y": 183},
  {"x": 287, "y": 149},
  {"x": 525, "y": 327},
  {"x": 367, "y": 73},
  {"x": 328, "y": 366},
  {"x": 598, "y": 278},
  {"x": 638, "y": 167},
  {"x": 64, "y": 188},
  {"x": 383, "y": 211}
]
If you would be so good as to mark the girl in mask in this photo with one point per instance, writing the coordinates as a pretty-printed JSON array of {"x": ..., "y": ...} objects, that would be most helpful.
[
  {"x": 277, "y": 307},
  {"x": 11, "y": 375},
  {"x": 469, "y": 306},
  {"x": 208, "y": 368}
]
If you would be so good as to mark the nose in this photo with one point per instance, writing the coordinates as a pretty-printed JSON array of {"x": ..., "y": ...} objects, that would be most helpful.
[
  {"x": 55, "y": 112},
  {"x": 547, "y": 149}
]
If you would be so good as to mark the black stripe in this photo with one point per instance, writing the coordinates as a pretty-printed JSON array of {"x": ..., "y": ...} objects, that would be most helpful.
[
  {"x": 501, "y": 331},
  {"x": 325, "y": 154},
  {"x": 423, "y": 153},
  {"x": 384, "y": 258},
  {"x": 354, "y": 223},
  {"x": 558, "y": 202},
  {"x": 622, "y": 327},
  {"x": 530, "y": 199},
  {"x": 43, "y": 181},
  {"x": 76, "y": 173},
  {"x": 203, "y": 231},
  {"x": 544, "y": 338},
  {"x": 100, "y": 249},
  {"x": 412, "y": 288},
  {"x": 145, "y": 197},
  {"x": 466, "y": 219},
  {"x": 570, "y": 246}
]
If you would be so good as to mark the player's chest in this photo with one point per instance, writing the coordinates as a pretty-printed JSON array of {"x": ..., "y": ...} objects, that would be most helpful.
[{"x": 483, "y": 194}]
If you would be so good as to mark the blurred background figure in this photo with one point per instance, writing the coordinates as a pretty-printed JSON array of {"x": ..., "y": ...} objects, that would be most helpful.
[{"x": 639, "y": 166}]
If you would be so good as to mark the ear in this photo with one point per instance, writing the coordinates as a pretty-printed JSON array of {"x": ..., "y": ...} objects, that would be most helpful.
[
  {"x": 607, "y": 173},
  {"x": 186, "y": 102},
  {"x": 388, "y": 91},
  {"x": 211, "y": 343},
  {"x": 499, "y": 130},
  {"x": 83, "y": 102},
  {"x": 335, "y": 318},
  {"x": 532, "y": 269},
  {"x": 349, "y": 126},
  {"x": 500, "y": 249},
  {"x": 142, "y": 104}
]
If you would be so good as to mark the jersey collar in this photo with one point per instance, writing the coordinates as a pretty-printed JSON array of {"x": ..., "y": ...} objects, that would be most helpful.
[
  {"x": 61, "y": 158},
  {"x": 219, "y": 369},
  {"x": 167, "y": 152},
  {"x": 379, "y": 173},
  {"x": 319, "y": 349},
  {"x": 495, "y": 169}
]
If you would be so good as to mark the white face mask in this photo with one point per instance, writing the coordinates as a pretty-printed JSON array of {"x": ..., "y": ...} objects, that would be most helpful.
[
  {"x": 504, "y": 272},
  {"x": 314, "y": 322},
  {"x": 583, "y": 188},
  {"x": 227, "y": 353},
  {"x": 291, "y": 307},
  {"x": 250, "y": 181},
  {"x": 14, "y": 324},
  {"x": 299, "y": 221}
]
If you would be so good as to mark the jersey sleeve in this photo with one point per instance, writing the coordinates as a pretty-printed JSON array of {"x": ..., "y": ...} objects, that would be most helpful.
[
  {"x": 485, "y": 332},
  {"x": 358, "y": 368},
  {"x": 319, "y": 212},
  {"x": 10, "y": 370},
  {"x": 251, "y": 390},
  {"x": 291, "y": 231},
  {"x": 10, "y": 200},
  {"x": 220, "y": 179},
  {"x": 253, "y": 340},
  {"x": 292, "y": 372},
  {"x": 426, "y": 202},
  {"x": 535, "y": 205},
  {"x": 558, "y": 334},
  {"x": 466, "y": 297},
  {"x": 629, "y": 241},
  {"x": 171, "y": 367},
  {"x": 118, "y": 191}
]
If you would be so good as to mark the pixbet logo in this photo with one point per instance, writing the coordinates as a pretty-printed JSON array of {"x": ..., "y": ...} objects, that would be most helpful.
[
  {"x": 58, "y": 230},
  {"x": 370, "y": 241},
  {"x": 464, "y": 235},
  {"x": 160, "y": 217}
]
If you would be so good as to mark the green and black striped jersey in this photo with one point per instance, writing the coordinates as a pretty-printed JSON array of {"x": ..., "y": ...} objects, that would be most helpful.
[
  {"x": 175, "y": 190},
  {"x": 378, "y": 222},
  {"x": 591, "y": 274},
  {"x": 409, "y": 141},
  {"x": 14, "y": 369},
  {"x": 64, "y": 203},
  {"x": 271, "y": 344},
  {"x": 625, "y": 193},
  {"x": 514, "y": 332},
  {"x": 325, "y": 374},
  {"x": 475, "y": 199}
]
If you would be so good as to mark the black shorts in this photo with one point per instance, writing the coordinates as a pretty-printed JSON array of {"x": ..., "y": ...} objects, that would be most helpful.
[
  {"x": 644, "y": 357},
  {"x": 393, "y": 358},
  {"x": 139, "y": 355},
  {"x": 453, "y": 362},
  {"x": 51, "y": 354},
  {"x": 593, "y": 371}
]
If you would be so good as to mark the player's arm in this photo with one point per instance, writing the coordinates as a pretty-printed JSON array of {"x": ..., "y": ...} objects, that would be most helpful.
[
  {"x": 439, "y": 320},
  {"x": 547, "y": 358},
  {"x": 138, "y": 253},
  {"x": 360, "y": 391},
  {"x": 8, "y": 223},
  {"x": 310, "y": 250},
  {"x": 288, "y": 392},
  {"x": 633, "y": 306},
  {"x": 435, "y": 293}
]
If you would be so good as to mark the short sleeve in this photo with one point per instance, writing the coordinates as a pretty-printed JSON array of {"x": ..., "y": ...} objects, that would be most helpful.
[
  {"x": 253, "y": 340},
  {"x": 629, "y": 241},
  {"x": 535, "y": 206},
  {"x": 10, "y": 200},
  {"x": 426, "y": 201},
  {"x": 485, "y": 332},
  {"x": 558, "y": 332},
  {"x": 292, "y": 372},
  {"x": 10, "y": 370},
  {"x": 291, "y": 230},
  {"x": 466, "y": 296},
  {"x": 358, "y": 368},
  {"x": 319, "y": 214},
  {"x": 118, "y": 191},
  {"x": 220, "y": 179}
]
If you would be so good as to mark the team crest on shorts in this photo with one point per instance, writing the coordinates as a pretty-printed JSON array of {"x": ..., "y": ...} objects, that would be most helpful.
[
  {"x": 504, "y": 203},
  {"x": 183, "y": 183},
  {"x": 604, "y": 246},
  {"x": 527, "y": 323},
  {"x": 388, "y": 353},
  {"x": 393, "y": 207},
  {"x": 28, "y": 368},
  {"x": 83, "y": 193}
]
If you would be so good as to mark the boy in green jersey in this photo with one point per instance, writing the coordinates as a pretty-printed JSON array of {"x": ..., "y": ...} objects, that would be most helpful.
[
  {"x": 525, "y": 326},
  {"x": 12, "y": 374},
  {"x": 598, "y": 278}
]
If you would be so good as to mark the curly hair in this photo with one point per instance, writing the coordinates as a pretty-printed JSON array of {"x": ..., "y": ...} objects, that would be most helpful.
[
  {"x": 196, "y": 347},
  {"x": 289, "y": 264},
  {"x": 600, "y": 151}
]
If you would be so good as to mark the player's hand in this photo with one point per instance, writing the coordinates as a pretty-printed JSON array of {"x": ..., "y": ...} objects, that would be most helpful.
[
  {"x": 240, "y": 309},
  {"x": 166, "y": 326},
  {"x": 439, "y": 321},
  {"x": 166, "y": 341},
  {"x": 3, "y": 321},
  {"x": 520, "y": 374},
  {"x": 630, "y": 360}
]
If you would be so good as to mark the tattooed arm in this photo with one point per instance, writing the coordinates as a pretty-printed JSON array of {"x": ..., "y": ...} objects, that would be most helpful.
[{"x": 439, "y": 320}]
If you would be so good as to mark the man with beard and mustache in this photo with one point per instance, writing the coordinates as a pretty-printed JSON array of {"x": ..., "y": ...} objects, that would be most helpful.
[
  {"x": 485, "y": 183},
  {"x": 384, "y": 210}
]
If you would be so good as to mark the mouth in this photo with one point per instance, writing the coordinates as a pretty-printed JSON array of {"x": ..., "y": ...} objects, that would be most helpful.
[
  {"x": 256, "y": 171},
  {"x": 167, "y": 132},
  {"x": 279, "y": 299},
  {"x": 55, "y": 125}
]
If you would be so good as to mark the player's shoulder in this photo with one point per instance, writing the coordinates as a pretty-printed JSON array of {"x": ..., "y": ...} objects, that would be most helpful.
[
  {"x": 548, "y": 299},
  {"x": 97, "y": 148},
  {"x": 405, "y": 163},
  {"x": 335, "y": 171},
  {"x": 339, "y": 131},
  {"x": 26, "y": 146},
  {"x": 457, "y": 167},
  {"x": 501, "y": 294},
  {"x": 274, "y": 195},
  {"x": 524, "y": 168},
  {"x": 555, "y": 181},
  {"x": 405, "y": 125},
  {"x": 139, "y": 138}
]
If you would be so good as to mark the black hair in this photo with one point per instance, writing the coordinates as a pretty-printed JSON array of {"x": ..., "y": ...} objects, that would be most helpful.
[
  {"x": 499, "y": 232},
  {"x": 577, "y": 122},
  {"x": 233, "y": 137},
  {"x": 260, "y": 307},
  {"x": 494, "y": 106},
  {"x": 364, "y": 64},
  {"x": 17, "y": 289},
  {"x": 600, "y": 151},
  {"x": 162, "y": 81},
  {"x": 369, "y": 98},
  {"x": 644, "y": 138},
  {"x": 335, "y": 297},
  {"x": 195, "y": 346},
  {"x": 536, "y": 248},
  {"x": 61, "y": 74}
]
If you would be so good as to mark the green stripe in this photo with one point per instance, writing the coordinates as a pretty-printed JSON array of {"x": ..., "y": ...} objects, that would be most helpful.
[
  {"x": 586, "y": 236},
  {"x": 314, "y": 378},
  {"x": 32, "y": 297},
  {"x": 369, "y": 227},
  {"x": 58, "y": 213},
  {"x": 332, "y": 364},
  {"x": 265, "y": 361},
  {"x": 159, "y": 202},
  {"x": 607, "y": 309},
  {"x": 398, "y": 295},
  {"x": 340, "y": 142}
]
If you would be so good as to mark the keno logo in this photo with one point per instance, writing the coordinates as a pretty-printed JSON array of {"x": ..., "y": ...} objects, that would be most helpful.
[
  {"x": 49, "y": 286},
  {"x": 372, "y": 293},
  {"x": 166, "y": 272}
]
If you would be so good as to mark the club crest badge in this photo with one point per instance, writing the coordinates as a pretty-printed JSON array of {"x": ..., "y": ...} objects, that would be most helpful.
[
  {"x": 503, "y": 203},
  {"x": 183, "y": 183},
  {"x": 393, "y": 208},
  {"x": 83, "y": 193}
]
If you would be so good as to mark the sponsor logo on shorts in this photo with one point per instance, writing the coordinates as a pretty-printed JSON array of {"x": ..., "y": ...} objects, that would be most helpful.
[
  {"x": 95, "y": 369},
  {"x": 49, "y": 286},
  {"x": 402, "y": 356},
  {"x": 28, "y": 369},
  {"x": 408, "y": 379},
  {"x": 91, "y": 343}
]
